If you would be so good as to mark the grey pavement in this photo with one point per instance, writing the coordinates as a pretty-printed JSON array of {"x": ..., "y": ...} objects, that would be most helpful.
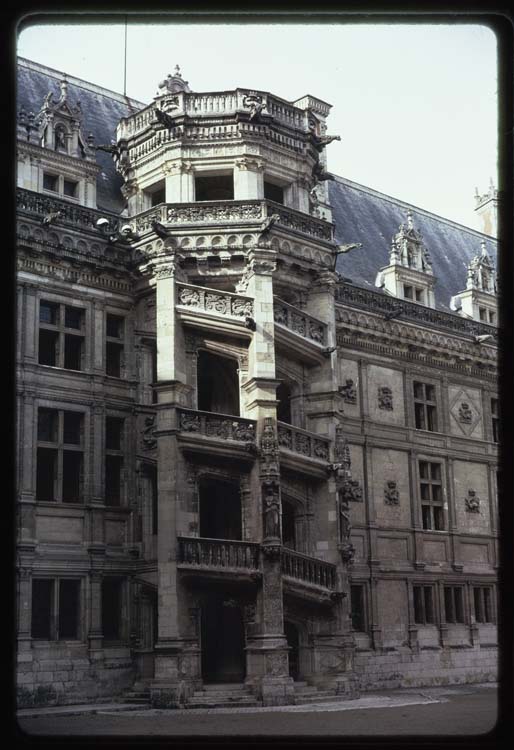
[{"x": 460, "y": 709}]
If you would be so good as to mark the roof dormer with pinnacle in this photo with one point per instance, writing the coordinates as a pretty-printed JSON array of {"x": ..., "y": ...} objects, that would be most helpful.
[
  {"x": 409, "y": 273},
  {"x": 479, "y": 300},
  {"x": 54, "y": 157}
]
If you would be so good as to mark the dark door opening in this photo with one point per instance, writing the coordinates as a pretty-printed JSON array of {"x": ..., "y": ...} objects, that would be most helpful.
[
  {"x": 293, "y": 641},
  {"x": 288, "y": 525},
  {"x": 223, "y": 641},
  {"x": 284, "y": 403},
  {"x": 217, "y": 384},
  {"x": 220, "y": 510}
]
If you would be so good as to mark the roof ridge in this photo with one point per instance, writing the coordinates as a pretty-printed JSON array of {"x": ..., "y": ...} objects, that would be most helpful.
[
  {"x": 79, "y": 82},
  {"x": 391, "y": 199}
]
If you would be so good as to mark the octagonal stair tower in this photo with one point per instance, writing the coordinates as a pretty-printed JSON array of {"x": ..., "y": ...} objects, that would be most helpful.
[{"x": 228, "y": 218}]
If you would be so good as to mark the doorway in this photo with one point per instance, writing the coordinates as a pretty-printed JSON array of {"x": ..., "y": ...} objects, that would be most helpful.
[
  {"x": 293, "y": 641},
  {"x": 220, "y": 510},
  {"x": 223, "y": 640},
  {"x": 217, "y": 384}
]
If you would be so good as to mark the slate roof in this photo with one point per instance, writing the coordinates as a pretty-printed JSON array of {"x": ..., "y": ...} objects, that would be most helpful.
[
  {"x": 360, "y": 213},
  {"x": 372, "y": 218},
  {"x": 102, "y": 110}
]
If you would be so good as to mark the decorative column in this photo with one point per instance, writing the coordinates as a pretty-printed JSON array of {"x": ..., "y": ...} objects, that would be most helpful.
[
  {"x": 24, "y": 598},
  {"x": 95, "y": 635},
  {"x": 248, "y": 179},
  {"x": 171, "y": 684},
  {"x": 267, "y": 650},
  {"x": 179, "y": 181}
]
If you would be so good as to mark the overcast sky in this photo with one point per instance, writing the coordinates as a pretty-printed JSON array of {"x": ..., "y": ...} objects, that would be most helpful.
[{"x": 415, "y": 105}]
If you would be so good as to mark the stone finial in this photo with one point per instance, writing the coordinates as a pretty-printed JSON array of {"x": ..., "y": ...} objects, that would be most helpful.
[
  {"x": 481, "y": 273},
  {"x": 63, "y": 84},
  {"x": 173, "y": 84}
]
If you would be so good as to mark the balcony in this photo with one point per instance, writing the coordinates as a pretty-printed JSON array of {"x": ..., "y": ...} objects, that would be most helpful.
[
  {"x": 303, "y": 451},
  {"x": 219, "y": 558},
  {"x": 227, "y": 216},
  {"x": 219, "y": 434},
  {"x": 308, "y": 577},
  {"x": 213, "y": 310},
  {"x": 298, "y": 333}
]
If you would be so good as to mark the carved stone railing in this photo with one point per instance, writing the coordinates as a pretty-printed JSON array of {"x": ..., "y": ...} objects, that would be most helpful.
[
  {"x": 308, "y": 569},
  {"x": 303, "y": 442},
  {"x": 212, "y": 301},
  {"x": 299, "y": 322},
  {"x": 381, "y": 303},
  {"x": 215, "y": 425},
  {"x": 218, "y": 553},
  {"x": 81, "y": 217},
  {"x": 220, "y": 213}
]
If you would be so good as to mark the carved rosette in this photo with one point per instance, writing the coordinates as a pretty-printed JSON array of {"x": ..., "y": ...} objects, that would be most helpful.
[{"x": 472, "y": 502}]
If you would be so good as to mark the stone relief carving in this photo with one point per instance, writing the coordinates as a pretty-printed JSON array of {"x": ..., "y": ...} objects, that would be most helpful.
[
  {"x": 351, "y": 491},
  {"x": 269, "y": 449},
  {"x": 148, "y": 439},
  {"x": 391, "y": 493},
  {"x": 348, "y": 392},
  {"x": 276, "y": 664},
  {"x": 385, "y": 398},
  {"x": 472, "y": 502},
  {"x": 465, "y": 413},
  {"x": 271, "y": 509}
]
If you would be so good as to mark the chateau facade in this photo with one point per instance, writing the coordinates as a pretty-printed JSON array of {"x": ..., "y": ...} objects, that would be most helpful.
[{"x": 258, "y": 417}]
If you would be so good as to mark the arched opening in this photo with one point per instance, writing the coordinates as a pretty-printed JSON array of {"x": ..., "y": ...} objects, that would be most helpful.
[
  {"x": 293, "y": 641},
  {"x": 220, "y": 510},
  {"x": 284, "y": 402},
  {"x": 217, "y": 384},
  {"x": 288, "y": 525}
]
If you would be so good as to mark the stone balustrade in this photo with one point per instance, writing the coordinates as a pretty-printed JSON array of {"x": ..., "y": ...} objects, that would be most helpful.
[
  {"x": 252, "y": 212},
  {"x": 303, "y": 442},
  {"x": 218, "y": 553},
  {"x": 215, "y": 425},
  {"x": 211, "y": 301},
  {"x": 308, "y": 569},
  {"x": 299, "y": 322},
  {"x": 372, "y": 301},
  {"x": 27, "y": 201}
]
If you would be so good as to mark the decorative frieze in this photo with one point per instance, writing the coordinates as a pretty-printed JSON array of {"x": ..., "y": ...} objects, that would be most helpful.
[
  {"x": 472, "y": 502},
  {"x": 216, "y": 425},
  {"x": 208, "y": 553},
  {"x": 221, "y": 303},
  {"x": 303, "y": 442},
  {"x": 69, "y": 213},
  {"x": 299, "y": 322}
]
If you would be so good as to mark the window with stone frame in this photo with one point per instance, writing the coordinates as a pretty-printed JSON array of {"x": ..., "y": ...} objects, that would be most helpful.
[
  {"x": 112, "y": 608},
  {"x": 425, "y": 406},
  {"x": 214, "y": 187},
  {"x": 483, "y": 604},
  {"x": 61, "y": 335},
  {"x": 495, "y": 420},
  {"x": 114, "y": 452},
  {"x": 358, "y": 607},
  {"x": 273, "y": 192},
  {"x": 454, "y": 604},
  {"x": 424, "y": 612},
  {"x": 60, "y": 456},
  {"x": 114, "y": 345},
  {"x": 55, "y": 609},
  {"x": 431, "y": 493}
]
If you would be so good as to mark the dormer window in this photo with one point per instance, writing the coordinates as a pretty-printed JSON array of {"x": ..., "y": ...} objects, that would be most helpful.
[{"x": 60, "y": 139}]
